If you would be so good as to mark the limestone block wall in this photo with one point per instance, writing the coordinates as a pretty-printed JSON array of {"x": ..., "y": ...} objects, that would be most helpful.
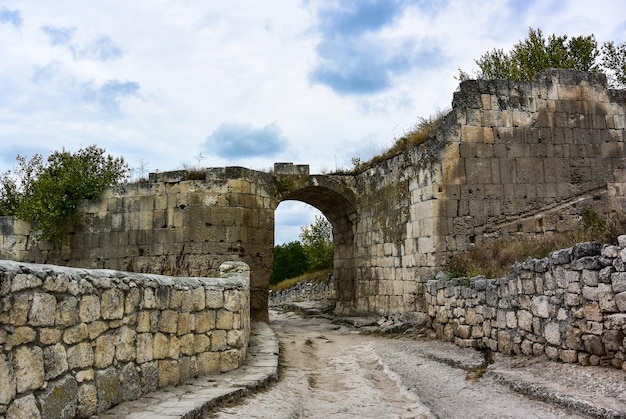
[
  {"x": 176, "y": 223},
  {"x": 570, "y": 306},
  {"x": 510, "y": 158},
  {"x": 75, "y": 342}
]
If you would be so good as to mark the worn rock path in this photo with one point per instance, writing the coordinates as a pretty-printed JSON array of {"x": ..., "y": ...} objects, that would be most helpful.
[{"x": 328, "y": 370}]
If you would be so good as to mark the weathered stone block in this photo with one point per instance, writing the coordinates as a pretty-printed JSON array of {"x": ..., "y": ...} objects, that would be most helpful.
[
  {"x": 80, "y": 356},
  {"x": 60, "y": 399},
  {"x": 108, "y": 388},
  {"x": 218, "y": 340},
  {"x": 7, "y": 380},
  {"x": 187, "y": 344},
  {"x": 229, "y": 360},
  {"x": 612, "y": 340},
  {"x": 592, "y": 312},
  {"x": 87, "y": 400},
  {"x": 224, "y": 320},
  {"x": 55, "y": 361},
  {"x": 89, "y": 308},
  {"x": 552, "y": 333},
  {"x": 168, "y": 322},
  {"x": 593, "y": 344},
  {"x": 185, "y": 324},
  {"x": 42, "y": 311},
  {"x": 24, "y": 408},
  {"x": 29, "y": 368},
  {"x": 75, "y": 334},
  {"x": 620, "y": 301},
  {"x": 618, "y": 280},
  {"x": 104, "y": 351},
  {"x": 20, "y": 336},
  {"x": 125, "y": 344},
  {"x": 209, "y": 363},
  {"x": 540, "y": 306},
  {"x": 112, "y": 304},
  {"x": 169, "y": 373}
]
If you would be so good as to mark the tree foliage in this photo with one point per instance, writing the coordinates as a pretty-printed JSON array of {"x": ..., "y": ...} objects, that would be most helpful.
[
  {"x": 536, "y": 53},
  {"x": 317, "y": 240},
  {"x": 289, "y": 262},
  {"x": 313, "y": 253},
  {"x": 47, "y": 195}
]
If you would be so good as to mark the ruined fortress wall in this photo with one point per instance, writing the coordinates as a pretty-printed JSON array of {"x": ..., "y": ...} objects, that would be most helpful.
[
  {"x": 176, "y": 223},
  {"x": 570, "y": 306},
  {"x": 74, "y": 342},
  {"x": 510, "y": 158}
]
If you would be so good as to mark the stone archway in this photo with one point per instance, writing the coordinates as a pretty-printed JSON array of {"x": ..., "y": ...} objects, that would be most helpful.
[{"x": 342, "y": 215}]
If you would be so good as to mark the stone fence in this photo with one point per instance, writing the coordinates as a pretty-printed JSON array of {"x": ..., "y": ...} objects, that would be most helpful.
[
  {"x": 570, "y": 306},
  {"x": 74, "y": 342},
  {"x": 305, "y": 291}
]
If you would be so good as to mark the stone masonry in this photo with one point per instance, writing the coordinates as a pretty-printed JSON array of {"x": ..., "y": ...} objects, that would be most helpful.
[
  {"x": 509, "y": 159},
  {"x": 75, "y": 342},
  {"x": 570, "y": 306}
]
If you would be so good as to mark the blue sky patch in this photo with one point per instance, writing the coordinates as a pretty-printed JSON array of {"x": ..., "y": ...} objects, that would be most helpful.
[
  {"x": 103, "y": 48},
  {"x": 11, "y": 17},
  {"x": 233, "y": 140},
  {"x": 111, "y": 93},
  {"x": 58, "y": 35}
]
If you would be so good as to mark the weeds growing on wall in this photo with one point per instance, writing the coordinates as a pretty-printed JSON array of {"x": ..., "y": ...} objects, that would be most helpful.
[
  {"x": 494, "y": 259},
  {"x": 424, "y": 129},
  {"x": 317, "y": 277}
]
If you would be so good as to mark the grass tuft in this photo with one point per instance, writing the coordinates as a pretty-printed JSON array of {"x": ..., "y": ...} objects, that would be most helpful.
[{"x": 318, "y": 276}]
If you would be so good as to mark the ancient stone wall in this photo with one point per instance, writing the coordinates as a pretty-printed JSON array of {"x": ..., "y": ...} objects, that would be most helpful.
[
  {"x": 510, "y": 158},
  {"x": 177, "y": 223},
  {"x": 570, "y": 306},
  {"x": 74, "y": 342}
]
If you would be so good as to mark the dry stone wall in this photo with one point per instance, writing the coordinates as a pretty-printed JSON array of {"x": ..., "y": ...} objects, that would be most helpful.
[
  {"x": 570, "y": 306},
  {"x": 75, "y": 342}
]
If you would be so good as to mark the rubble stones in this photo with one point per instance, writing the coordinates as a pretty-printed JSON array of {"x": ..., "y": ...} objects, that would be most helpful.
[{"x": 582, "y": 318}]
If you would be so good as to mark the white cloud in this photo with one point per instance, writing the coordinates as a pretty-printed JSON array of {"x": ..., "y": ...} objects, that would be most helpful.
[{"x": 153, "y": 81}]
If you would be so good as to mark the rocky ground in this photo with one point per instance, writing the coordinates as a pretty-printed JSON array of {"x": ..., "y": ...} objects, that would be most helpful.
[{"x": 347, "y": 368}]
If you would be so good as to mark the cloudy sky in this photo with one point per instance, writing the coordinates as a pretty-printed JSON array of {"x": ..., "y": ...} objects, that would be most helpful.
[{"x": 174, "y": 83}]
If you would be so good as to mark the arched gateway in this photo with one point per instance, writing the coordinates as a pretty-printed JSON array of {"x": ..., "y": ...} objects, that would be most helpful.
[{"x": 509, "y": 158}]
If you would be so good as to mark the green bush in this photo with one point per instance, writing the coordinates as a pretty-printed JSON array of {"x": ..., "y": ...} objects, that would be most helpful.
[{"x": 48, "y": 195}]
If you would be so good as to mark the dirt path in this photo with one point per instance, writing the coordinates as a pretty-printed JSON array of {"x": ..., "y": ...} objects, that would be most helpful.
[{"x": 333, "y": 371}]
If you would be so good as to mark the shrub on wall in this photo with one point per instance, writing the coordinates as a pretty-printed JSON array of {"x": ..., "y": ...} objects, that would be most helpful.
[{"x": 47, "y": 195}]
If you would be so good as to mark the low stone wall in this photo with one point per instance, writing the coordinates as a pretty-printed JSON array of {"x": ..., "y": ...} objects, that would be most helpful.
[
  {"x": 570, "y": 306},
  {"x": 305, "y": 291},
  {"x": 74, "y": 342}
]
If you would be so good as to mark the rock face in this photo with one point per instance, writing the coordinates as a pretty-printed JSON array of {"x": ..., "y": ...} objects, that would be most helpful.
[
  {"x": 75, "y": 342},
  {"x": 563, "y": 306},
  {"x": 510, "y": 158}
]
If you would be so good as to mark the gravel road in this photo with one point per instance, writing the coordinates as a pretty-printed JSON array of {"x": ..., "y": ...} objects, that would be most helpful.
[{"x": 333, "y": 371}]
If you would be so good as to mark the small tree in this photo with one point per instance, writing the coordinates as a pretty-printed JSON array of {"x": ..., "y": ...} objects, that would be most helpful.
[
  {"x": 536, "y": 53},
  {"x": 317, "y": 240},
  {"x": 289, "y": 262},
  {"x": 48, "y": 195}
]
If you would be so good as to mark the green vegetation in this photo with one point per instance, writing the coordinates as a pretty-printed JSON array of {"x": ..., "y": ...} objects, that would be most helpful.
[
  {"x": 48, "y": 195},
  {"x": 289, "y": 261},
  {"x": 494, "y": 259},
  {"x": 316, "y": 277},
  {"x": 423, "y": 130},
  {"x": 317, "y": 243},
  {"x": 306, "y": 260},
  {"x": 537, "y": 53}
]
